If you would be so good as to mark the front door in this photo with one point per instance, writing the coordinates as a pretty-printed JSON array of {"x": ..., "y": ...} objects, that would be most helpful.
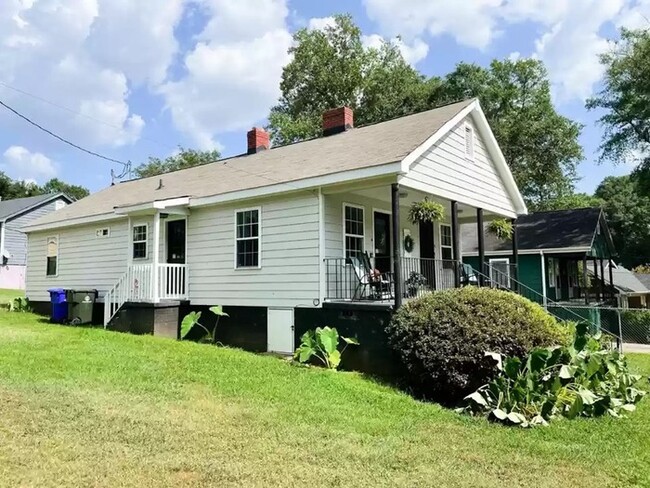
[
  {"x": 382, "y": 241},
  {"x": 176, "y": 244},
  {"x": 428, "y": 254}
]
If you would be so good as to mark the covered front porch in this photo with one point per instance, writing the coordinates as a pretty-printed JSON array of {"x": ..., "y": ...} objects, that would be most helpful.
[
  {"x": 156, "y": 266},
  {"x": 374, "y": 254}
]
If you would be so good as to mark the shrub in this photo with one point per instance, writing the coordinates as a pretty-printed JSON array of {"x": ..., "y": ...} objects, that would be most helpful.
[
  {"x": 442, "y": 337},
  {"x": 635, "y": 325},
  {"x": 583, "y": 379},
  {"x": 322, "y": 344}
]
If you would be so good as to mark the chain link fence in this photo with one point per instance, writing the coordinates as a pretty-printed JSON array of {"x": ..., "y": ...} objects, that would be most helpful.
[{"x": 631, "y": 325}]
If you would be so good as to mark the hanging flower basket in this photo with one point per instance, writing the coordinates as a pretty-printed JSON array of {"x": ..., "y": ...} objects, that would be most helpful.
[
  {"x": 501, "y": 229},
  {"x": 426, "y": 211}
]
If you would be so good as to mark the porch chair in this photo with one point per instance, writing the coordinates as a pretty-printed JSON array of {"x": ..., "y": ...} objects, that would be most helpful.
[{"x": 381, "y": 285}]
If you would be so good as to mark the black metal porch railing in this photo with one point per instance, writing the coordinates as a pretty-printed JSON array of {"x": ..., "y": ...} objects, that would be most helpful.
[{"x": 348, "y": 279}]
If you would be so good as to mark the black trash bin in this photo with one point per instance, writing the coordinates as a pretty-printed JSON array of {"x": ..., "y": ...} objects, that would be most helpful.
[{"x": 81, "y": 304}]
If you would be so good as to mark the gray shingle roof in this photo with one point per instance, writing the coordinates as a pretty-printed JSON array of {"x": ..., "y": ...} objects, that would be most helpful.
[
  {"x": 358, "y": 148},
  {"x": 643, "y": 278},
  {"x": 541, "y": 230},
  {"x": 9, "y": 208},
  {"x": 626, "y": 281}
]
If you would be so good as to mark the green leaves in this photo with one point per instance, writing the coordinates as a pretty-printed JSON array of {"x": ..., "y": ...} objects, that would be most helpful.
[
  {"x": 189, "y": 321},
  {"x": 501, "y": 229},
  {"x": 218, "y": 311},
  {"x": 322, "y": 344},
  {"x": 581, "y": 380},
  {"x": 425, "y": 211}
]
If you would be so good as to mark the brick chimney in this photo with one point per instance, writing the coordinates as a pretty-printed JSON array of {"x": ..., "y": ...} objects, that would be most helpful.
[
  {"x": 337, "y": 120},
  {"x": 258, "y": 140}
]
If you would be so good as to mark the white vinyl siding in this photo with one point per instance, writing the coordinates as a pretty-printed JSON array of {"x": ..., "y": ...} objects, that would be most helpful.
[
  {"x": 16, "y": 240},
  {"x": 84, "y": 262},
  {"x": 289, "y": 248},
  {"x": 446, "y": 171}
]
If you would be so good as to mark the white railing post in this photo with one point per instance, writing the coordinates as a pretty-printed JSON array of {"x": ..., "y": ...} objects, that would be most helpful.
[{"x": 156, "y": 258}]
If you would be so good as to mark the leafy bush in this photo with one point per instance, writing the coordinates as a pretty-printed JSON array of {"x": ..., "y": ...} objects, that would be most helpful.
[
  {"x": 191, "y": 321},
  {"x": 442, "y": 337},
  {"x": 636, "y": 326},
  {"x": 20, "y": 304},
  {"x": 580, "y": 380},
  {"x": 323, "y": 345}
]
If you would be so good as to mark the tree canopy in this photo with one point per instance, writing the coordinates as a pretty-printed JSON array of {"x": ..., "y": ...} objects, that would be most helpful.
[
  {"x": 331, "y": 68},
  {"x": 569, "y": 201},
  {"x": 625, "y": 98},
  {"x": 184, "y": 158},
  {"x": 55, "y": 185},
  {"x": 627, "y": 214},
  {"x": 10, "y": 189}
]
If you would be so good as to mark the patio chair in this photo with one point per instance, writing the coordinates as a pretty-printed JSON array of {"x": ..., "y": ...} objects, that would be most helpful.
[{"x": 367, "y": 280}]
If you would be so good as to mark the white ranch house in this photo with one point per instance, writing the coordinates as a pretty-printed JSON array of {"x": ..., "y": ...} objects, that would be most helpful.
[{"x": 284, "y": 228}]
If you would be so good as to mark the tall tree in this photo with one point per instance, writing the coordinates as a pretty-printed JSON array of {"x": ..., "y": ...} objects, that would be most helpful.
[
  {"x": 55, "y": 185},
  {"x": 627, "y": 214},
  {"x": 185, "y": 158},
  {"x": 625, "y": 99},
  {"x": 331, "y": 68},
  {"x": 540, "y": 145},
  {"x": 568, "y": 202}
]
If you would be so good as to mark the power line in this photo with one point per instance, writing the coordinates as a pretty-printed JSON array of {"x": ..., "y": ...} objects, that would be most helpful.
[
  {"x": 75, "y": 112},
  {"x": 76, "y": 146}
]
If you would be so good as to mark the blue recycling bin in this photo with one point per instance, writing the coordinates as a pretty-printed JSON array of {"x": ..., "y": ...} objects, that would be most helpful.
[{"x": 59, "y": 313}]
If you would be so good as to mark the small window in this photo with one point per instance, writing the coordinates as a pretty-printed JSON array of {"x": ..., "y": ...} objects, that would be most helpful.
[
  {"x": 105, "y": 232},
  {"x": 446, "y": 242},
  {"x": 354, "y": 231},
  {"x": 247, "y": 239},
  {"x": 140, "y": 241},
  {"x": 52, "y": 256},
  {"x": 469, "y": 142}
]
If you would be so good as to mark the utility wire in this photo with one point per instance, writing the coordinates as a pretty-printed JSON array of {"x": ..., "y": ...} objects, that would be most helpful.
[
  {"x": 88, "y": 151},
  {"x": 75, "y": 112}
]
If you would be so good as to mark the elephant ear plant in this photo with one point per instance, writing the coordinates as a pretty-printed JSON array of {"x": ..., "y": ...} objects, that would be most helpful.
[
  {"x": 323, "y": 345},
  {"x": 192, "y": 320}
]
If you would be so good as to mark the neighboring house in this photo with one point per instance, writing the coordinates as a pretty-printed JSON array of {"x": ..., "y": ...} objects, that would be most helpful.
[
  {"x": 14, "y": 215},
  {"x": 631, "y": 291},
  {"x": 556, "y": 249},
  {"x": 277, "y": 235}
]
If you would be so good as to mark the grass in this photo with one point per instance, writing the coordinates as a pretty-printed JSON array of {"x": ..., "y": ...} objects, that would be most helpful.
[
  {"x": 84, "y": 407},
  {"x": 6, "y": 295}
]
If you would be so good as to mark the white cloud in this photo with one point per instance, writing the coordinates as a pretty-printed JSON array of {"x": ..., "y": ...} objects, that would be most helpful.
[
  {"x": 413, "y": 53},
  {"x": 233, "y": 74},
  {"x": 570, "y": 36},
  {"x": 22, "y": 164},
  {"x": 320, "y": 23}
]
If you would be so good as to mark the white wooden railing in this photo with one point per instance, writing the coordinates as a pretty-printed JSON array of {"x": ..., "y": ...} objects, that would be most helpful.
[{"x": 146, "y": 283}]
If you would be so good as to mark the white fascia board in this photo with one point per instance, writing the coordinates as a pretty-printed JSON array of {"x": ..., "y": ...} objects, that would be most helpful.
[
  {"x": 72, "y": 222},
  {"x": 300, "y": 185}
]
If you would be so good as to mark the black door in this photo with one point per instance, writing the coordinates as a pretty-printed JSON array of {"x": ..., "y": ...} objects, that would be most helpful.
[
  {"x": 382, "y": 242},
  {"x": 428, "y": 254},
  {"x": 176, "y": 242},
  {"x": 175, "y": 278}
]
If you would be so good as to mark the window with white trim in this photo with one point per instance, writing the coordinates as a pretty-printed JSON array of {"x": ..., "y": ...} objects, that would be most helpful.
[
  {"x": 553, "y": 272},
  {"x": 140, "y": 241},
  {"x": 446, "y": 242},
  {"x": 247, "y": 239},
  {"x": 353, "y": 232},
  {"x": 52, "y": 268},
  {"x": 469, "y": 141},
  {"x": 105, "y": 232}
]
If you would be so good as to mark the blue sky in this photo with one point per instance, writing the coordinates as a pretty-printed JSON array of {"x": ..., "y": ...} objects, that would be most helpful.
[{"x": 133, "y": 79}]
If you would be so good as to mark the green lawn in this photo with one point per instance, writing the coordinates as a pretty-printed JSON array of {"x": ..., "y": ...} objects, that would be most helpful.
[
  {"x": 84, "y": 407},
  {"x": 6, "y": 295}
]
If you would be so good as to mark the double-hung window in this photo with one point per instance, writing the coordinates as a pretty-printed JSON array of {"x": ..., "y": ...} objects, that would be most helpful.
[
  {"x": 140, "y": 241},
  {"x": 52, "y": 256},
  {"x": 247, "y": 238},
  {"x": 446, "y": 244},
  {"x": 353, "y": 232}
]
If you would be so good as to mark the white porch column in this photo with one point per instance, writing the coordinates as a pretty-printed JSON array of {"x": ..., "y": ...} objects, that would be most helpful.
[
  {"x": 543, "y": 268},
  {"x": 155, "y": 278}
]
